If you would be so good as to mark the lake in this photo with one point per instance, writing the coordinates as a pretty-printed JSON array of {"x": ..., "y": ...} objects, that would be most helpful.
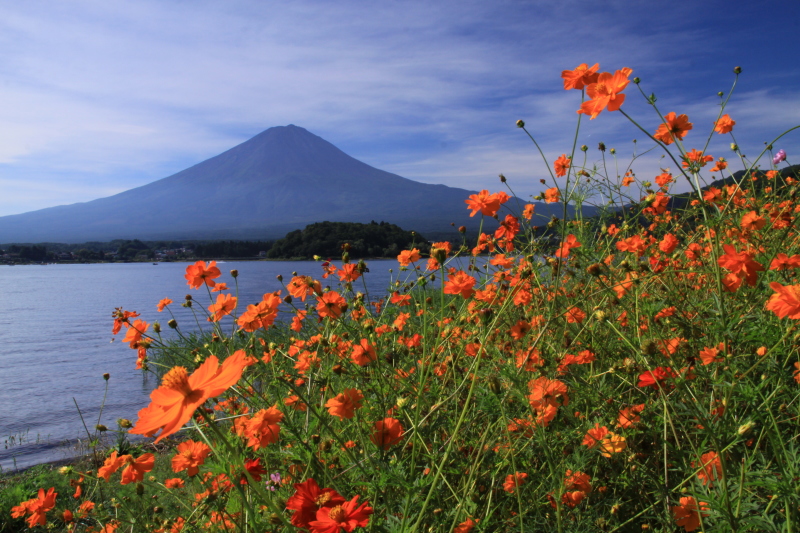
[{"x": 55, "y": 328}]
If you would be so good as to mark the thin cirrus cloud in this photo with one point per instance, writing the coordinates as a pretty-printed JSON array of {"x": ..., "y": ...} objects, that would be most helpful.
[{"x": 101, "y": 98}]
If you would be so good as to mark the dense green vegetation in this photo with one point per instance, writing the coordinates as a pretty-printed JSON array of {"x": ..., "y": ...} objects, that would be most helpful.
[{"x": 326, "y": 239}]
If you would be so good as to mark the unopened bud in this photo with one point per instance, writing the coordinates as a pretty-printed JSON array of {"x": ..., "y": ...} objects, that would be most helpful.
[
  {"x": 737, "y": 70},
  {"x": 502, "y": 179},
  {"x": 279, "y": 277},
  {"x": 462, "y": 229},
  {"x": 520, "y": 124},
  {"x": 745, "y": 428},
  {"x": 636, "y": 80},
  {"x": 584, "y": 148},
  {"x": 124, "y": 423},
  {"x": 720, "y": 94},
  {"x": 601, "y": 147},
  {"x": 234, "y": 273},
  {"x": 172, "y": 323},
  {"x": 101, "y": 427},
  {"x": 287, "y": 298},
  {"x": 188, "y": 297},
  {"x": 139, "y": 489},
  {"x": 613, "y": 151},
  {"x": 106, "y": 376},
  {"x": 156, "y": 327}
]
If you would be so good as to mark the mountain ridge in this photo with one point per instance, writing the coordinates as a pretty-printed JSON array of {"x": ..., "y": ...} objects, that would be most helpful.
[{"x": 282, "y": 179}]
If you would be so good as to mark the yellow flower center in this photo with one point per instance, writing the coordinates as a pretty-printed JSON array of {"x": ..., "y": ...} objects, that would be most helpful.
[
  {"x": 177, "y": 379},
  {"x": 337, "y": 514},
  {"x": 323, "y": 498}
]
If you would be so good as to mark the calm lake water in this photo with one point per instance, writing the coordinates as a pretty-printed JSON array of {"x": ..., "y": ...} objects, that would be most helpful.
[{"x": 56, "y": 343}]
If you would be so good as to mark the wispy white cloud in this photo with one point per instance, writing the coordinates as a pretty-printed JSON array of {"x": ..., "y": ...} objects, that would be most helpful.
[{"x": 99, "y": 97}]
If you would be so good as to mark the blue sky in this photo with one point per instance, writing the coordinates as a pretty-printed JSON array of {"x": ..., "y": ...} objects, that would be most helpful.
[{"x": 100, "y": 97}]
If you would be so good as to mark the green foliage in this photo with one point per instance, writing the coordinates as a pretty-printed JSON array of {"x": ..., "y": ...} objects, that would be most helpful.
[{"x": 326, "y": 239}]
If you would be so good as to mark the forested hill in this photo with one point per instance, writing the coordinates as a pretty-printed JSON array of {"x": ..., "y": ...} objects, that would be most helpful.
[{"x": 326, "y": 239}]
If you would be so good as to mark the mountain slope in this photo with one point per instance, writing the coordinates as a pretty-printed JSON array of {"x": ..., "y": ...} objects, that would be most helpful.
[{"x": 282, "y": 179}]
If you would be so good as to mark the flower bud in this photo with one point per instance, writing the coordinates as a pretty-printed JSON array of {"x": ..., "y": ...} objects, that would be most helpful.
[
  {"x": 494, "y": 385},
  {"x": 188, "y": 297},
  {"x": 234, "y": 273},
  {"x": 584, "y": 148},
  {"x": 737, "y": 70},
  {"x": 279, "y": 277},
  {"x": 520, "y": 124},
  {"x": 462, "y": 229},
  {"x": 720, "y": 94},
  {"x": 101, "y": 427},
  {"x": 745, "y": 428},
  {"x": 287, "y": 298},
  {"x": 613, "y": 151},
  {"x": 124, "y": 423},
  {"x": 636, "y": 80},
  {"x": 139, "y": 489},
  {"x": 156, "y": 327},
  {"x": 601, "y": 147},
  {"x": 172, "y": 323},
  {"x": 734, "y": 147}
]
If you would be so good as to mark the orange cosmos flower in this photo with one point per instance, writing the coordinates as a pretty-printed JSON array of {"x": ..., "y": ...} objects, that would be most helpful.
[
  {"x": 36, "y": 507},
  {"x": 308, "y": 499},
  {"x": 673, "y": 128},
  {"x": 784, "y": 262},
  {"x": 331, "y": 304},
  {"x": 605, "y": 92},
  {"x": 466, "y": 526},
  {"x": 302, "y": 286},
  {"x": 513, "y": 481},
  {"x": 752, "y": 221},
  {"x": 387, "y": 433},
  {"x": 612, "y": 443},
  {"x": 664, "y": 179},
  {"x": 552, "y": 195},
  {"x": 741, "y": 264},
  {"x": 688, "y": 513},
  {"x": 721, "y": 164},
  {"x": 363, "y": 353},
  {"x": 180, "y": 394},
  {"x": 582, "y": 76},
  {"x": 163, "y": 303},
  {"x": 407, "y": 257},
  {"x": 135, "y": 332},
  {"x": 263, "y": 428},
  {"x": 348, "y": 272},
  {"x": 487, "y": 204},
  {"x": 568, "y": 244},
  {"x": 121, "y": 317},
  {"x": 695, "y": 159},
  {"x": 174, "y": 483},
  {"x": 527, "y": 212},
  {"x": 725, "y": 124},
  {"x": 561, "y": 165},
  {"x": 595, "y": 436},
  {"x": 190, "y": 456},
  {"x": 656, "y": 378},
  {"x": 344, "y": 405},
  {"x": 225, "y": 305},
  {"x": 459, "y": 283},
  {"x": 575, "y": 315},
  {"x": 261, "y": 315},
  {"x": 629, "y": 416},
  {"x": 136, "y": 468},
  {"x": 111, "y": 465},
  {"x": 199, "y": 273},
  {"x": 786, "y": 300},
  {"x": 347, "y": 516},
  {"x": 711, "y": 355},
  {"x": 710, "y": 466}
]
